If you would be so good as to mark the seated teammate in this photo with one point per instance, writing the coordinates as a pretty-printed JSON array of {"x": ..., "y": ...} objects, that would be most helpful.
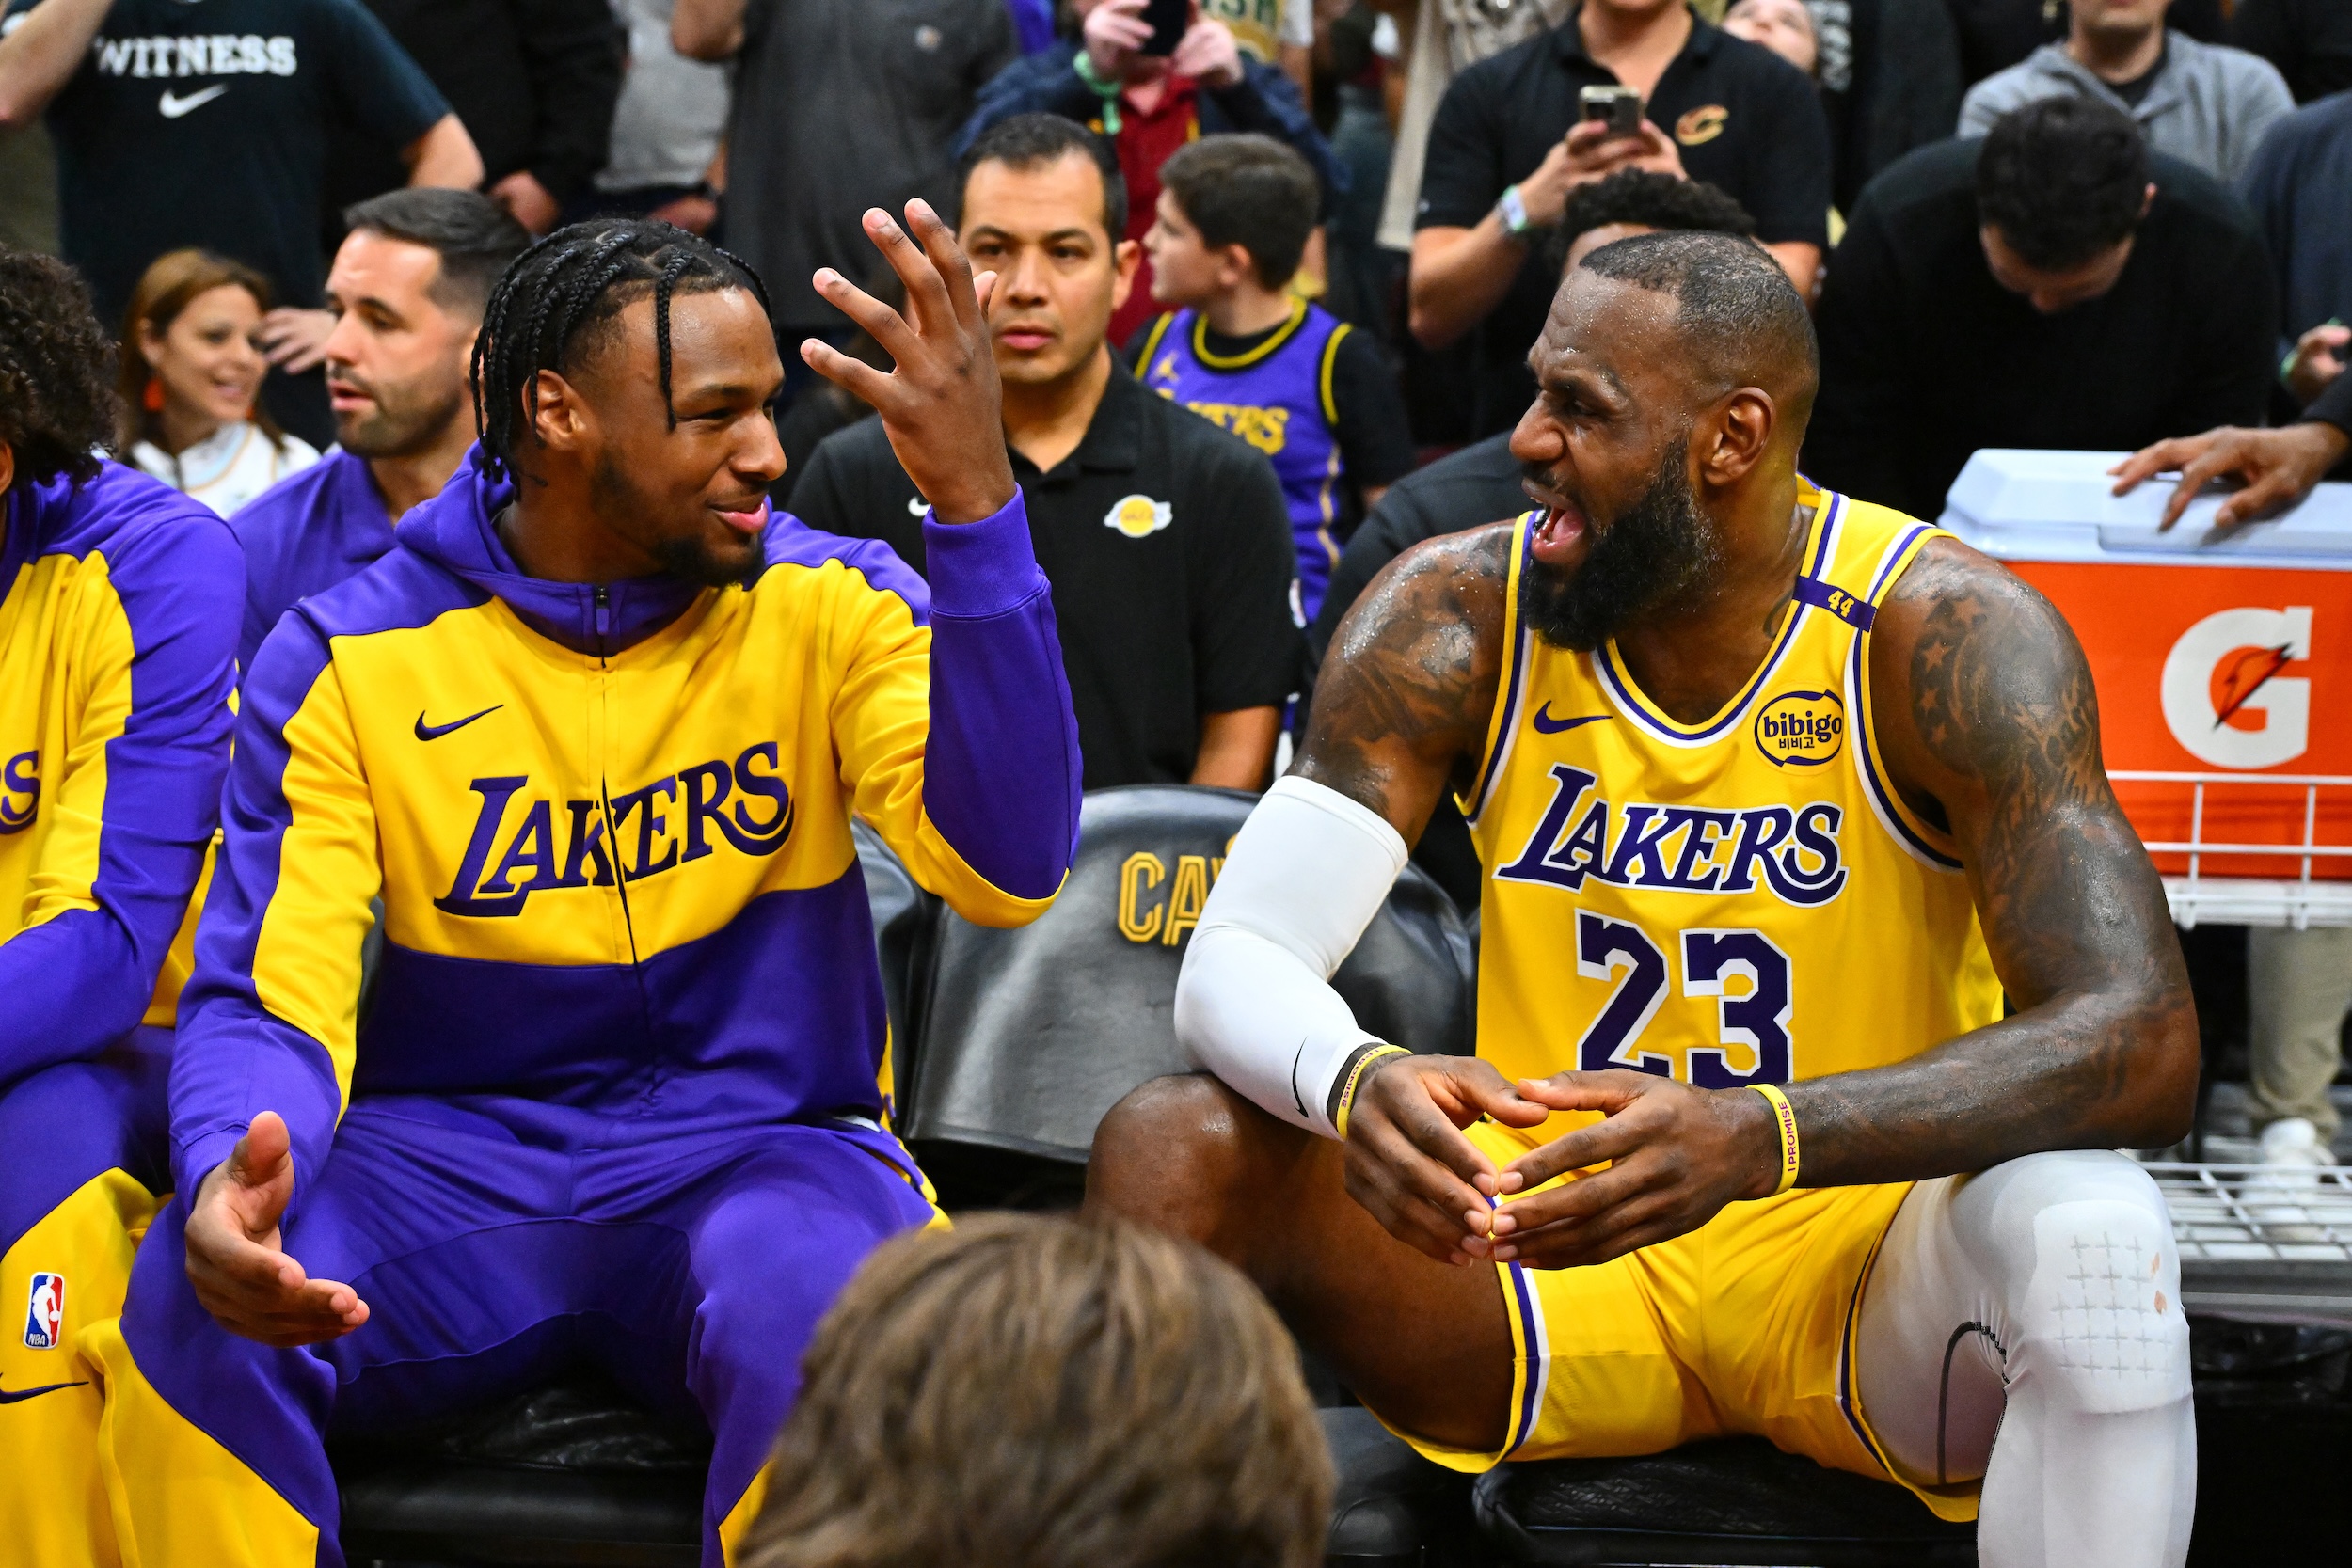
[
  {"x": 595, "y": 729},
  {"x": 118, "y": 624},
  {"x": 407, "y": 291},
  {"x": 1775, "y": 791}
]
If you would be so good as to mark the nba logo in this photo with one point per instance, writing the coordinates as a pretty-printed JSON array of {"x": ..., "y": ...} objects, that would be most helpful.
[{"x": 45, "y": 1313}]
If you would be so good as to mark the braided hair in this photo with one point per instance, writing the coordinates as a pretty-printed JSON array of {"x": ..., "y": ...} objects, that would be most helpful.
[{"x": 576, "y": 281}]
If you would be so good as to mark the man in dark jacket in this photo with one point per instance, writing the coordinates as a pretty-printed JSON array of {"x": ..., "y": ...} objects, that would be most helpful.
[
  {"x": 1152, "y": 104},
  {"x": 532, "y": 81}
]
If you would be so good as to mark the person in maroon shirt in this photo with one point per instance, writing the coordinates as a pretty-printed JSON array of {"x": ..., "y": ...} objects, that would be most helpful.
[{"x": 1149, "y": 105}]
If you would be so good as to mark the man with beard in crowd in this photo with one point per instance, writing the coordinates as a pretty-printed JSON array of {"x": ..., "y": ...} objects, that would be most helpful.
[
  {"x": 407, "y": 292},
  {"x": 1779, "y": 793}
]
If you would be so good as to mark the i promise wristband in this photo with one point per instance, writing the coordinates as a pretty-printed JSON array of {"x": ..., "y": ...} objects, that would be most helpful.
[
  {"x": 1784, "y": 1120},
  {"x": 1356, "y": 1076}
]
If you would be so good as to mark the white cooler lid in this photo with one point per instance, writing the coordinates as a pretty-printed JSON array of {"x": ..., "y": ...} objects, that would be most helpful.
[{"x": 2019, "y": 505}]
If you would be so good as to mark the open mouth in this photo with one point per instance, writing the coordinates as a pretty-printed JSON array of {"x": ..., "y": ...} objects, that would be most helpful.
[{"x": 1562, "y": 531}]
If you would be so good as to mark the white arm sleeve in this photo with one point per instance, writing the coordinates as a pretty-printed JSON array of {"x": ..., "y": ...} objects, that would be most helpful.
[{"x": 1254, "y": 1003}]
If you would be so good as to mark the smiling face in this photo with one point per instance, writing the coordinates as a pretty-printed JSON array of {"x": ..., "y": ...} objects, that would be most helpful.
[
  {"x": 206, "y": 359},
  {"x": 689, "y": 500},
  {"x": 1606, "y": 451},
  {"x": 1059, "y": 274},
  {"x": 396, "y": 360}
]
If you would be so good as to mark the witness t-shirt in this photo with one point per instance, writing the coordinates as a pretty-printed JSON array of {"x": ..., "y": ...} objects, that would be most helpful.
[{"x": 201, "y": 122}]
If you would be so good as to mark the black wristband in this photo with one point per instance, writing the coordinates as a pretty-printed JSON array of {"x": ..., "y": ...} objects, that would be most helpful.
[{"x": 1347, "y": 1071}]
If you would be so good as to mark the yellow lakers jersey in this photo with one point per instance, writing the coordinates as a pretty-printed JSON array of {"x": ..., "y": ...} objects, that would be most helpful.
[{"x": 1736, "y": 901}]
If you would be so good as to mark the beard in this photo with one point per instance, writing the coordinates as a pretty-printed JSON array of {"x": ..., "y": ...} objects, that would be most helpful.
[
  {"x": 627, "y": 508},
  {"x": 1661, "y": 546},
  {"x": 405, "y": 422}
]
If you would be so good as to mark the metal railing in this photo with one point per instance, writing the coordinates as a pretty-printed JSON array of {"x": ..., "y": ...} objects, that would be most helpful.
[
  {"x": 2258, "y": 1243},
  {"x": 2298, "y": 899}
]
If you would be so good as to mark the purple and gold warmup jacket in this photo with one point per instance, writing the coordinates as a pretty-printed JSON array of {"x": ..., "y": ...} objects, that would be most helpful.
[
  {"x": 610, "y": 830},
  {"x": 119, "y": 606}
]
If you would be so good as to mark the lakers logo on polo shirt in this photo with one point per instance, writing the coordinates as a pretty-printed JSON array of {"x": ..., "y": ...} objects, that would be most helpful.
[
  {"x": 1139, "y": 516},
  {"x": 1702, "y": 124}
]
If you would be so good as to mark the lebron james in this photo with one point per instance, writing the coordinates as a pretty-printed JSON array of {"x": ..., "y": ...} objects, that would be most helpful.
[{"x": 1821, "y": 976}]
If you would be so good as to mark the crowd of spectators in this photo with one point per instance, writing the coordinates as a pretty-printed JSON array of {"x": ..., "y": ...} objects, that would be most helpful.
[{"x": 1329, "y": 228}]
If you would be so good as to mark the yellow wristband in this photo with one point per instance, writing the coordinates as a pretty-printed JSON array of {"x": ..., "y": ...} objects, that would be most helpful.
[
  {"x": 1785, "y": 1125},
  {"x": 1354, "y": 1076}
]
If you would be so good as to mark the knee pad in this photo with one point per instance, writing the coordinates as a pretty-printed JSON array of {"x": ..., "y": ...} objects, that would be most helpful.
[{"x": 2098, "y": 1320}]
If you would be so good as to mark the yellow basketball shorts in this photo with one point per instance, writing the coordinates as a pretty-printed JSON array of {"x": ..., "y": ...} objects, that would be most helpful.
[{"x": 1746, "y": 1326}]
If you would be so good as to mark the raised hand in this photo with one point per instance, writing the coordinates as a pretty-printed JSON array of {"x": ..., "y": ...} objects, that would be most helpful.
[
  {"x": 236, "y": 1257},
  {"x": 942, "y": 407},
  {"x": 1113, "y": 31},
  {"x": 1676, "y": 1155},
  {"x": 1407, "y": 1162}
]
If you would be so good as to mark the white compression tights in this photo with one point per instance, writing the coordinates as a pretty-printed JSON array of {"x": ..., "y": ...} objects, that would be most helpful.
[{"x": 2025, "y": 1324}]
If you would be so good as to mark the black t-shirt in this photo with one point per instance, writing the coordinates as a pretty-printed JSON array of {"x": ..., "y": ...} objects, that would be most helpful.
[
  {"x": 1925, "y": 359},
  {"x": 1374, "y": 438},
  {"x": 2136, "y": 88},
  {"x": 202, "y": 122},
  {"x": 1169, "y": 550},
  {"x": 1742, "y": 119}
]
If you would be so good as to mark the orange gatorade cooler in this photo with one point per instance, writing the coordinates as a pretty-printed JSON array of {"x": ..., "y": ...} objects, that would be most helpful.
[{"x": 2224, "y": 662}]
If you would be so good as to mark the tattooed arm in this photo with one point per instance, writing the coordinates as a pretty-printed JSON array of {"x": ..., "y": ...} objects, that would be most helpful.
[
  {"x": 1408, "y": 686},
  {"x": 1990, "y": 727}
]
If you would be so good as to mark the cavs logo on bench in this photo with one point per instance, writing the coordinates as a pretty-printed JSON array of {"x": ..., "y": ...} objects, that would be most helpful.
[
  {"x": 1801, "y": 729},
  {"x": 1154, "y": 908},
  {"x": 739, "y": 802}
]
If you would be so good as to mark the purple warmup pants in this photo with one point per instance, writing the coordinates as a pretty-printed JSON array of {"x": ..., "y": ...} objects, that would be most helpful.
[{"x": 693, "y": 1268}]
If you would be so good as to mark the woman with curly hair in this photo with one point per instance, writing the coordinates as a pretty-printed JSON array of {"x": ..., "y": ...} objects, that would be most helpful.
[{"x": 191, "y": 367}]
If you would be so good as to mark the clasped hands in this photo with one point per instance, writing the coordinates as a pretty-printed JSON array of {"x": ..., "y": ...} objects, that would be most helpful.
[{"x": 1675, "y": 1155}]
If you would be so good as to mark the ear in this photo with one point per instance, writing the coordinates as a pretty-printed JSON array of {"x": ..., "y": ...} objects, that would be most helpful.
[
  {"x": 1234, "y": 267},
  {"x": 151, "y": 344},
  {"x": 1126, "y": 256},
  {"x": 7, "y": 467},
  {"x": 565, "y": 421},
  {"x": 2148, "y": 198},
  {"x": 1730, "y": 442}
]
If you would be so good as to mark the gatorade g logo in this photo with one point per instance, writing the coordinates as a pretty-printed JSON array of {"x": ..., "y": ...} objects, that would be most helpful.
[
  {"x": 2225, "y": 697},
  {"x": 1801, "y": 728},
  {"x": 20, "y": 792}
]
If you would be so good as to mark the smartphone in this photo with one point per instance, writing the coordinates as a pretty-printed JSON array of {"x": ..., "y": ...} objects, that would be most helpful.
[
  {"x": 1169, "y": 20},
  {"x": 1619, "y": 106}
]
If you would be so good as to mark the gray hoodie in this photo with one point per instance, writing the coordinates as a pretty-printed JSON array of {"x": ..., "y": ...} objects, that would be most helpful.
[{"x": 2209, "y": 105}]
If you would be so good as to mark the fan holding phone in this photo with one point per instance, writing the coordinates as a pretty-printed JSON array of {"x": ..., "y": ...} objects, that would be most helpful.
[{"x": 1138, "y": 43}]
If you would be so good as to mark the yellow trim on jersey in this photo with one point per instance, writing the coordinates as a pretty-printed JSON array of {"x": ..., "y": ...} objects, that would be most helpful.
[
  {"x": 1322, "y": 378},
  {"x": 1924, "y": 842},
  {"x": 1151, "y": 344},
  {"x": 1501, "y": 724},
  {"x": 1282, "y": 333},
  {"x": 1820, "y": 549}
]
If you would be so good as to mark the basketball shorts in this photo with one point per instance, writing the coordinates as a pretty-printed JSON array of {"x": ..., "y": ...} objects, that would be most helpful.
[{"x": 1746, "y": 1326}]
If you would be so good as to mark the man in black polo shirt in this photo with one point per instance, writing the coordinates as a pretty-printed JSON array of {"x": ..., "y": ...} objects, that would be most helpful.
[
  {"x": 1166, "y": 540},
  {"x": 1507, "y": 146},
  {"x": 203, "y": 122},
  {"x": 2053, "y": 285}
]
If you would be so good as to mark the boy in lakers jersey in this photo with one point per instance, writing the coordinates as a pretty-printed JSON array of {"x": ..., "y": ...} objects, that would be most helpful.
[
  {"x": 594, "y": 733},
  {"x": 1777, "y": 794},
  {"x": 1245, "y": 353},
  {"x": 118, "y": 622}
]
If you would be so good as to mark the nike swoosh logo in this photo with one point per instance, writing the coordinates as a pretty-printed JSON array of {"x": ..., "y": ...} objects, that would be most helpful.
[
  {"x": 434, "y": 732},
  {"x": 10, "y": 1396},
  {"x": 173, "y": 106},
  {"x": 1546, "y": 724}
]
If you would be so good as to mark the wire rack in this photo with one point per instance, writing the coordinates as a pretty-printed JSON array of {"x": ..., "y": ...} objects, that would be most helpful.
[
  {"x": 2292, "y": 898},
  {"x": 2258, "y": 1243}
]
